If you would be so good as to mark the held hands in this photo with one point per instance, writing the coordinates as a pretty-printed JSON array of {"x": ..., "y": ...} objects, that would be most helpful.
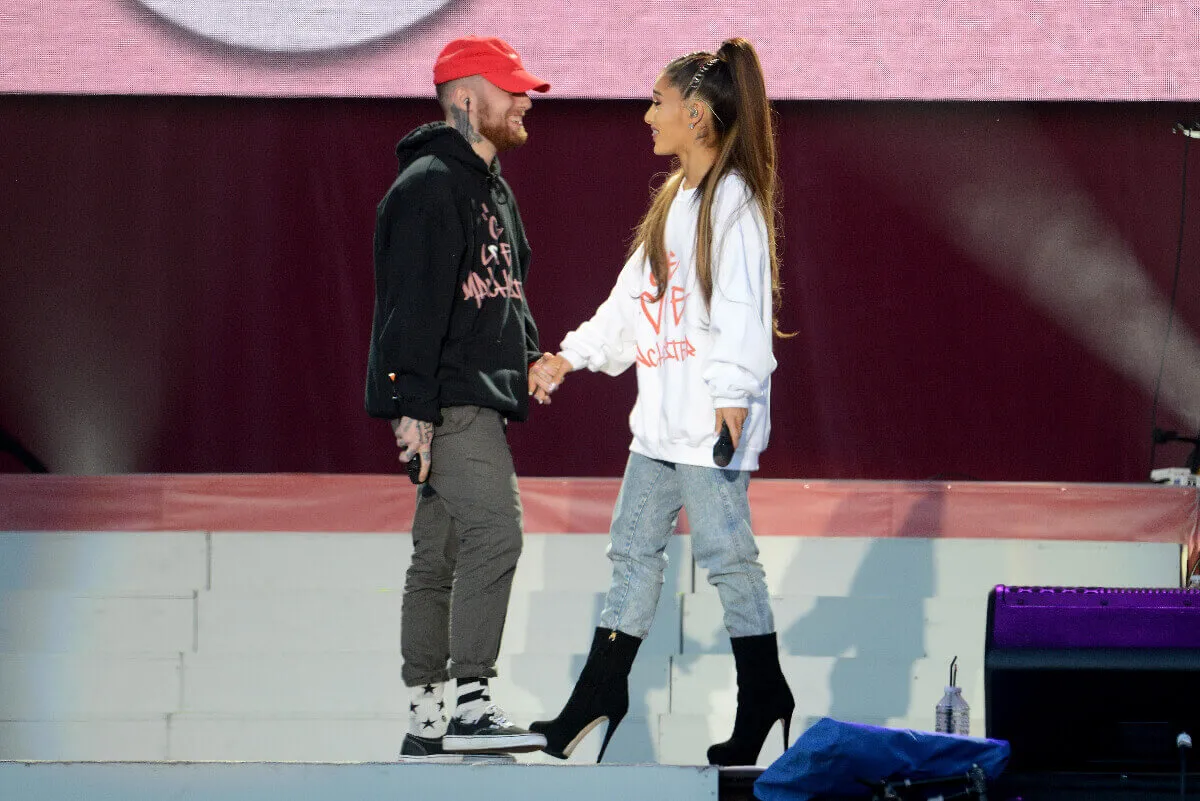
[
  {"x": 735, "y": 418},
  {"x": 546, "y": 375},
  {"x": 414, "y": 437}
]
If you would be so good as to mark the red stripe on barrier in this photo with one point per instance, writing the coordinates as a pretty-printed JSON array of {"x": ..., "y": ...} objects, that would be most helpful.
[{"x": 384, "y": 503}]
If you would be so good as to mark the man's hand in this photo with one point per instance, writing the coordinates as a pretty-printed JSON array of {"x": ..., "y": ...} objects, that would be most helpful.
[
  {"x": 414, "y": 437},
  {"x": 547, "y": 375},
  {"x": 735, "y": 418}
]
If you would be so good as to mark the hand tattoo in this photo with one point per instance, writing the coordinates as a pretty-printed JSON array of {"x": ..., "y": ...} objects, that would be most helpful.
[
  {"x": 424, "y": 430},
  {"x": 462, "y": 124}
]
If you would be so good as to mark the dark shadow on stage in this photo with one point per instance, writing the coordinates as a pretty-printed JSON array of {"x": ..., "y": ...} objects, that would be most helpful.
[{"x": 864, "y": 636}]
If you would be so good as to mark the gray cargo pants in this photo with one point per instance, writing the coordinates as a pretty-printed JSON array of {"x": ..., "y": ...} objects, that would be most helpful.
[{"x": 466, "y": 541}]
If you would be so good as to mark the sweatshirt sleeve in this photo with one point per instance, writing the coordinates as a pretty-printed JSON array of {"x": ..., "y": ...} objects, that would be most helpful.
[
  {"x": 608, "y": 342},
  {"x": 741, "y": 360},
  {"x": 533, "y": 348},
  {"x": 419, "y": 245}
]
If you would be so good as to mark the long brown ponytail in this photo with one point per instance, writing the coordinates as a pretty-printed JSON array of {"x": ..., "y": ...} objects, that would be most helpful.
[{"x": 731, "y": 83}]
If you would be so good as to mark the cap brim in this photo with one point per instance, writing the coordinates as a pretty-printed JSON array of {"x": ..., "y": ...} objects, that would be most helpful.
[{"x": 517, "y": 81}]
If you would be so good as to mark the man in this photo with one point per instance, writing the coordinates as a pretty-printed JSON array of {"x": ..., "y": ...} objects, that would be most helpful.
[{"x": 448, "y": 365}]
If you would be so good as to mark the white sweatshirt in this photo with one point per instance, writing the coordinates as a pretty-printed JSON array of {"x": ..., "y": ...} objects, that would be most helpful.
[{"x": 692, "y": 360}]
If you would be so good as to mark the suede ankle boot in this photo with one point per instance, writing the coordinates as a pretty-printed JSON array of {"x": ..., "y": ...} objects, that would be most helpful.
[
  {"x": 601, "y": 693},
  {"x": 763, "y": 698}
]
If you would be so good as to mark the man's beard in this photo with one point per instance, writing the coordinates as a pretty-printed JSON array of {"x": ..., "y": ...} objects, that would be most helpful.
[{"x": 494, "y": 128}]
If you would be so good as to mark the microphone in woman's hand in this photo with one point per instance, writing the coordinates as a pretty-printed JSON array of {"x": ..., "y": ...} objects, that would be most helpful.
[{"x": 723, "y": 449}]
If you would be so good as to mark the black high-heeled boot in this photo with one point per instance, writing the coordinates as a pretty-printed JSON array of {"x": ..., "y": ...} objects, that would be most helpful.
[
  {"x": 601, "y": 693},
  {"x": 763, "y": 698}
]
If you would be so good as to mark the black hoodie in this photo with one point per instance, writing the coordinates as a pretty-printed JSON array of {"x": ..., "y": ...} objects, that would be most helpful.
[{"x": 451, "y": 322}]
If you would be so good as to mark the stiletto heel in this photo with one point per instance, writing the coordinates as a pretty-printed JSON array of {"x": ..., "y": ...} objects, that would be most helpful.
[
  {"x": 600, "y": 694},
  {"x": 608, "y": 733},
  {"x": 763, "y": 698}
]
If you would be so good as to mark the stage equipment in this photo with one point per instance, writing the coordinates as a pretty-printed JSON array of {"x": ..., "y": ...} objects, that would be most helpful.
[{"x": 1092, "y": 679}]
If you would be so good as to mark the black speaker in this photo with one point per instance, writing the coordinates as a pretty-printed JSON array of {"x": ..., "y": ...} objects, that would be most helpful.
[{"x": 1093, "y": 679}]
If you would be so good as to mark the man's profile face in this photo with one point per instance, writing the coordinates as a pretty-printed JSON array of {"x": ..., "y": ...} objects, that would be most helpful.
[{"x": 501, "y": 116}]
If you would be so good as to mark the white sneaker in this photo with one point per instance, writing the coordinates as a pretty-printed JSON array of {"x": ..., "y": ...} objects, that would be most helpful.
[{"x": 429, "y": 750}]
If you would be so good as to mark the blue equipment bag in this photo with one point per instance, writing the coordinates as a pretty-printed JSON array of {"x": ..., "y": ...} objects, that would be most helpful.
[{"x": 834, "y": 759}]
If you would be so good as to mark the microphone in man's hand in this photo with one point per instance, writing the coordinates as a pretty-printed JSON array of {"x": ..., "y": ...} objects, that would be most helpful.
[
  {"x": 414, "y": 464},
  {"x": 414, "y": 469},
  {"x": 723, "y": 448}
]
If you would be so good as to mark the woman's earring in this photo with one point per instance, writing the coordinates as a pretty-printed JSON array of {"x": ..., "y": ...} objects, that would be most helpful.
[{"x": 693, "y": 125}]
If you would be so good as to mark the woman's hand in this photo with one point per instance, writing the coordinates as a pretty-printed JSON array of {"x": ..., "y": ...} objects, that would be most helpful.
[
  {"x": 547, "y": 375},
  {"x": 735, "y": 418}
]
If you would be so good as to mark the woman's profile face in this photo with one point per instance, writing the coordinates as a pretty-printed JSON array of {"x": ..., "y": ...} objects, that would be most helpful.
[{"x": 668, "y": 120}]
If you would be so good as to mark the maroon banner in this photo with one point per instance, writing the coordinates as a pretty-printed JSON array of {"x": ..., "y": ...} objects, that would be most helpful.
[{"x": 979, "y": 290}]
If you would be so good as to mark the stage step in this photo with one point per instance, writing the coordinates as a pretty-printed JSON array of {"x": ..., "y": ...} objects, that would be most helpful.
[
  {"x": 284, "y": 646},
  {"x": 255, "y": 781}
]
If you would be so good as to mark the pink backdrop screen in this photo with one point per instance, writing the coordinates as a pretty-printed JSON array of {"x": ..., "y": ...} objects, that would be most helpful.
[{"x": 818, "y": 49}]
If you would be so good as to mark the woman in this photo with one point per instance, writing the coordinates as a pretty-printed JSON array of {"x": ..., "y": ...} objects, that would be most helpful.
[{"x": 693, "y": 307}]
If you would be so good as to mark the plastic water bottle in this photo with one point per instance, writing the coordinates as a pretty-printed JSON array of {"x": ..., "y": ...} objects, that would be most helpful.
[{"x": 952, "y": 714}]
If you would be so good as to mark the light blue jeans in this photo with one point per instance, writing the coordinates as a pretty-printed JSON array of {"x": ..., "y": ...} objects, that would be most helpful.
[{"x": 652, "y": 493}]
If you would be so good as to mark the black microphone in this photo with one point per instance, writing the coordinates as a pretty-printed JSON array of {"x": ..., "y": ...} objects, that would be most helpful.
[
  {"x": 723, "y": 447},
  {"x": 1184, "y": 743},
  {"x": 414, "y": 469}
]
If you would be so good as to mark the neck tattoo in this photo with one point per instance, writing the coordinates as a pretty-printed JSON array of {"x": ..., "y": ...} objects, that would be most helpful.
[{"x": 462, "y": 124}]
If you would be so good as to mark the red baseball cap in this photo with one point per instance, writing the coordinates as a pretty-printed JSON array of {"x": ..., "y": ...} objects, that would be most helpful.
[{"x": 490, "y": 57}]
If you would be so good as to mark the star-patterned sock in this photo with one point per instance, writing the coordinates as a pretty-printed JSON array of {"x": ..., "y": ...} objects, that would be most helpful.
[
  {"x": 473, "y": 697},
  {"x": 427, "y": 710}
]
